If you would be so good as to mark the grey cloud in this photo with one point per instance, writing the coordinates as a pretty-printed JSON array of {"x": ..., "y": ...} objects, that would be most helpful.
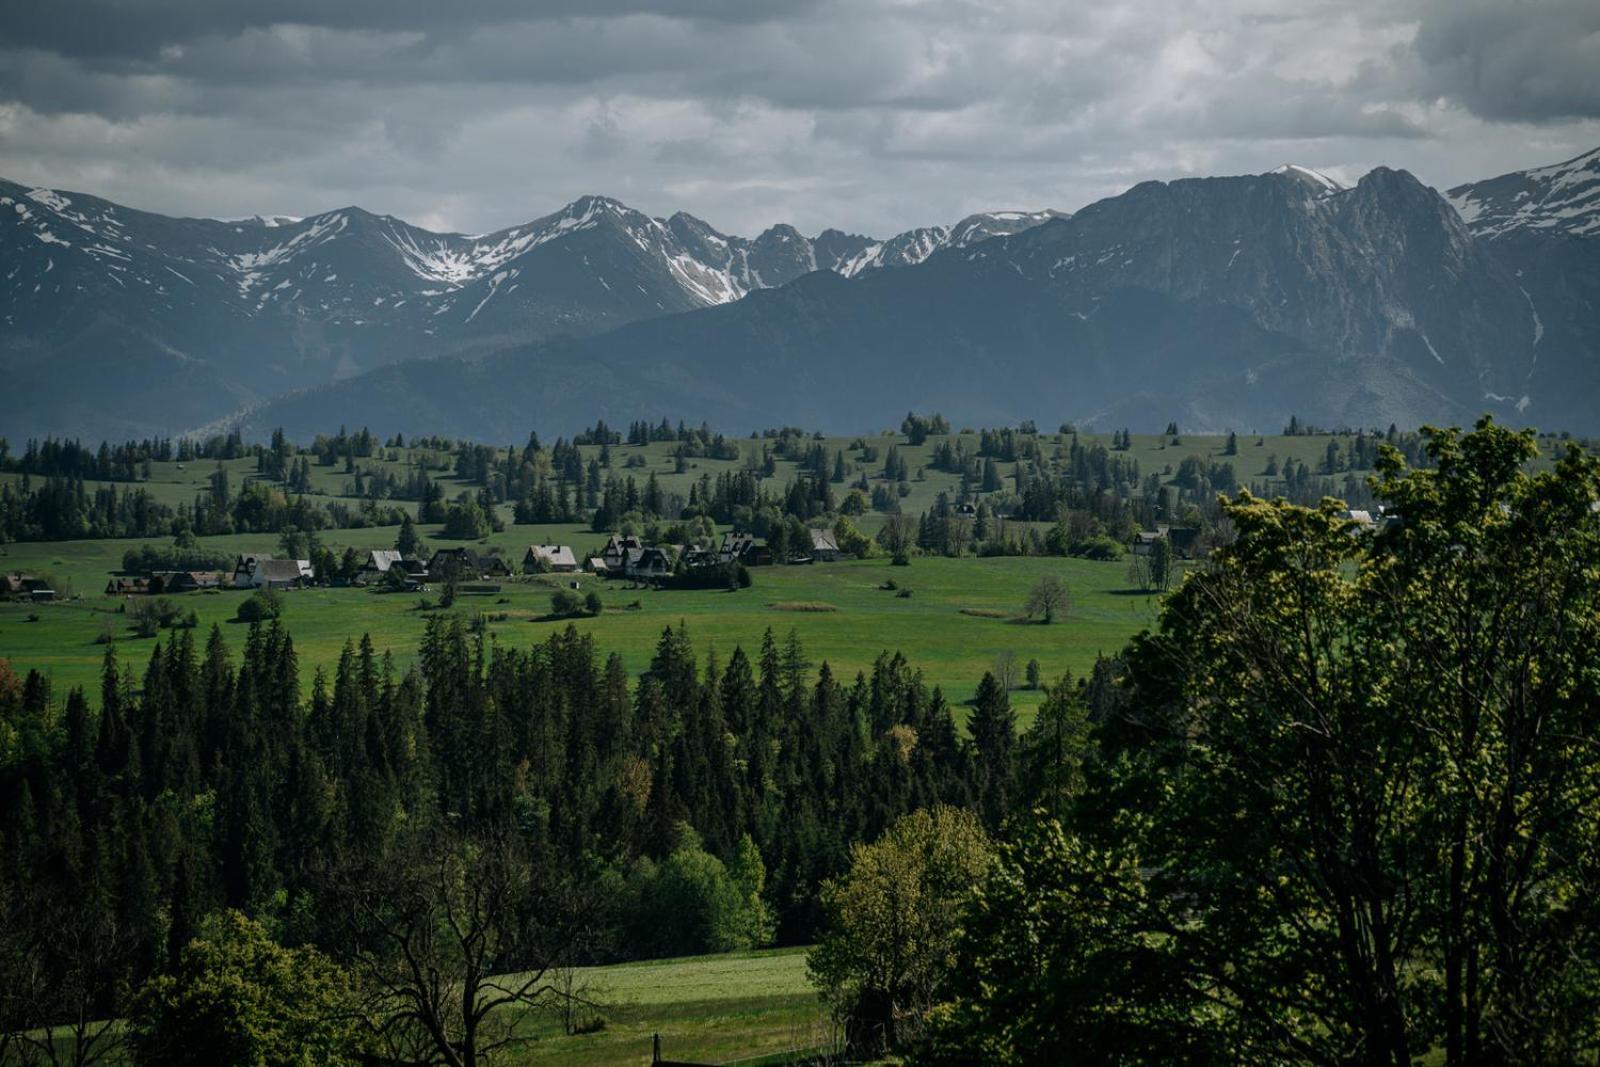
[
  {"x": 871, "y": 115},
  {"x": 114, "y": 28},
  {"x": 1520, "y": 61}
]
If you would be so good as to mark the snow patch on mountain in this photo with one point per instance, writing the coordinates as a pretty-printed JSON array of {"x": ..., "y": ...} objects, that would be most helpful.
[
  {"x": 1316, "y": 181},
  {"x": 1563, "y": 198}
]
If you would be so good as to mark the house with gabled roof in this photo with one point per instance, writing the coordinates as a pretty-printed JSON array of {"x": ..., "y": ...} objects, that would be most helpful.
[
  {"x": 556, "y": 558},
  {"x": 824, "y": 546},
  {"x": 377, "y": 564},
  {"x": 260, "y": 571},
  {"x": 648, "y": 563},
  {"x": 615, "y": 553}
]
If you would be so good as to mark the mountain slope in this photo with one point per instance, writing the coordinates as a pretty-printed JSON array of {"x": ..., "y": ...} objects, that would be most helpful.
[
  {"x": 1563, "y": 198},
  {"x": 1543, "y": 225},
  {"x": 120, "y": 321},
  {"x": 1226, "y": 302}
]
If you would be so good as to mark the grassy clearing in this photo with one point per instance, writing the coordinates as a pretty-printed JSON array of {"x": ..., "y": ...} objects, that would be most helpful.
[
  {"x": 713, "y": 1009},
  {"x": 958, "y": 620},
  {"x": 951, "y": 648}
]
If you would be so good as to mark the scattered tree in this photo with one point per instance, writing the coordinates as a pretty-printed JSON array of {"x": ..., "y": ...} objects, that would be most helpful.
[{"x": 1047, "y": 599}]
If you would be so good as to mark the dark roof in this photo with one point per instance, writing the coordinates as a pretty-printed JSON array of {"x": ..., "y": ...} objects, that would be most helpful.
[{"x": 278, "y": 570}]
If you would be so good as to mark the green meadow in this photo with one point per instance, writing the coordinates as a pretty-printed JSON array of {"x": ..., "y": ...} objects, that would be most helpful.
[
  {"x": 959, "y": 617},
  {"x": 742, "y": 1007},
  {"x": 956, "y": 621}
]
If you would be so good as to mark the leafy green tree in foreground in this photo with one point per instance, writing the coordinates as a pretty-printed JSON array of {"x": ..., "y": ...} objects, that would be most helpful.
[
  {"x": 237, "y": 997},
  {"x": 894, "y": 920},
  {"x": 1351, "y": 810}
]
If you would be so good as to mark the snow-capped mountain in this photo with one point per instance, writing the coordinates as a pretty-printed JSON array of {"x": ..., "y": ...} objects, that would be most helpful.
[
  {"x": 1560, "y": 199},
  {"x": 914, "y": 246},
  {"x": 198, "y": 316},
  {"x": 1543, "y": 226},
  {"x": 1218, "y": 302}
]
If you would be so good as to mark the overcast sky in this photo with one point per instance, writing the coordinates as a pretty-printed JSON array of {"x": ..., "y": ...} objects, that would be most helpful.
[{"x": 870, "y": 115}]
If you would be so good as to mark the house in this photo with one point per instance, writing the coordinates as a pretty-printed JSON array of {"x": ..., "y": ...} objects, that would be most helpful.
[
  {"x": 557, "y": 558},
  {"x": 596, "y": 565},
  {"x": 742, "y": 548},
  {"x": 281, "y": 573},
  {"x": 696, "y": 556},
  {"x": 460, "y": 563},
  {"x": 245, "y": 567},
  {"x": 255, "y": 571},
  {"x": 1183, "y": 540},
  {"x": 824, "y": 548},
  {"x": 967, "y": 510},
  {"x": 128, "y": 587},
  {"x": 466, "y": 564},
  {"x": 616, "y": 552},
  {"x": 648, "y": 563},
  {"x": 377, "y": 564},
  {"x": 183, "y": 581},
  {"x": 1363, "y": 520}
]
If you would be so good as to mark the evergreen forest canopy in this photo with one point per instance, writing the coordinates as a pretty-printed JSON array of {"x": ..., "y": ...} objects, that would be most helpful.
[
  {"x": 1342, "y": 806},
  {"x": 68, "y": 490}
]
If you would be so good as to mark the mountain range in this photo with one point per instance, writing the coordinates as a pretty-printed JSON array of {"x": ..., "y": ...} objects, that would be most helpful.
[{"x": 1216, "y": 302}]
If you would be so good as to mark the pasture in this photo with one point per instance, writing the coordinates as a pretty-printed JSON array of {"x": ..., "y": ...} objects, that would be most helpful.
[
  {"x": 741, "y": 1007},
  {"x": 959, "y": 617}
]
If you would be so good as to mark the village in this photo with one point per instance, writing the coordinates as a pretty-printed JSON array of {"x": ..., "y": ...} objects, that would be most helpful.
[{"x": 624, "y": 557}]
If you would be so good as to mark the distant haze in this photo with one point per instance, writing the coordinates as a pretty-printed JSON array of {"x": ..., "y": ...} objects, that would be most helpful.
[{"x": 873, "y": 116}]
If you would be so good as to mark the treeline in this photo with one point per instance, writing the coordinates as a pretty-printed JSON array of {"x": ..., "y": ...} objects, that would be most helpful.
[{"x": 709, "y": 798}]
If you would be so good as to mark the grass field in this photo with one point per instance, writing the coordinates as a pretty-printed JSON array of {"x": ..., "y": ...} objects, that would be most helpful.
[
  {"x": 742, "y": 1008},
  {"x": 946, "y": 627},
  {"x": 957, "y": 620}
]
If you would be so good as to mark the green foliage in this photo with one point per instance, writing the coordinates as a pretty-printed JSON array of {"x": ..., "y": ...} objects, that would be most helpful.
[
  {"x": 466, "y": 520},
  {"x": 851, "y": 541},
  {"x": 892, "y": 924},
  {"x": 263, "y": 605},
  {"x": 692, "y": 902},
  {"x": 1358, "y": 777},
  {"x": 237, "y": 997},
  {"x": 1062, "y": 960},
  {"x": 1054, "y": 752}
]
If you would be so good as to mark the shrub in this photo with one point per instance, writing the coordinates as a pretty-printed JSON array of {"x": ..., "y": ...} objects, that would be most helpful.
[
  {"x": 1099, "y": 547},
  {"x": 565, "y": 602},
  {"x": 263, "y": 605},
  {"x": 592, "y": 603}
]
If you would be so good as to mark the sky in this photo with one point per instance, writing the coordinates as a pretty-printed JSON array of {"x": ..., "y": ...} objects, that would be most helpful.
[{"x": 872, "y": 116}]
